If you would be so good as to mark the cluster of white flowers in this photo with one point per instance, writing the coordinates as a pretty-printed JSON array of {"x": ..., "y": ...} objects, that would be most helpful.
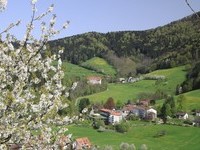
[
  {"x": 31, "y": 87},
  {"x": 3, "y": 4}
]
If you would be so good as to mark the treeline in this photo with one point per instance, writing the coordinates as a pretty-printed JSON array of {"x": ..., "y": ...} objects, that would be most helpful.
[
  {"x": 164, "y": 47},
  {"x": 193, "y": 79}
]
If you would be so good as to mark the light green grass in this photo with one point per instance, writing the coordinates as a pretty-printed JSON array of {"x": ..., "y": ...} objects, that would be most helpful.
[
  {"x": 130, "y": 91},
  {"x": 192, "y": 100},
  {"x": 176, "y": 138},
  {"x": 174, "y": 77},
  {"x": 73, "y": 71},
  {"x": 100, "y": 65},
  {"x": 124, "y": 92}
]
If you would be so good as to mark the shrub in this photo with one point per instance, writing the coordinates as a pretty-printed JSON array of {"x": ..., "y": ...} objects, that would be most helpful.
[
  {"x": 122, "y": 127},
  {"x": 143, "y": 147},
  {"x": 124, "y": 146}
]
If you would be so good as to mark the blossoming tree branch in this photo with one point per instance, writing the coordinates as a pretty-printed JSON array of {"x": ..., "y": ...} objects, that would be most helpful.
[{"x": 31, "y": 90}]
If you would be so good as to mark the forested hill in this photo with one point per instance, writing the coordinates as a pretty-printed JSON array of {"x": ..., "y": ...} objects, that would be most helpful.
[{"x": 171, "y": 45}]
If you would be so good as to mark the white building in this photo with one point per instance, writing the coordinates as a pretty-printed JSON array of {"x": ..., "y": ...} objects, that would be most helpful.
[
  {"x": 111, "y": 116},
  {"x": 94, "y": 80}
]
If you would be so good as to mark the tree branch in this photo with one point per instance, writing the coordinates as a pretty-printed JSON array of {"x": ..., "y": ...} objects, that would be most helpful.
[{"x": 192, "y": 9}]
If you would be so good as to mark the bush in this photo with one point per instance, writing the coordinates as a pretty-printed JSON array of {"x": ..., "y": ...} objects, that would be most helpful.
[
  {"x": 98, "y": 123},
  {"x": 124, "y": 146},
  {"x": 143, "y": 147},
  {"x": 122, "y": 127}
]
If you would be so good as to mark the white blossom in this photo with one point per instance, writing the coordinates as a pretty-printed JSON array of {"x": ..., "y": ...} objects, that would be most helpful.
[
  {"x": 3, "y": 4},
  {"x": 33, "y": 1},
  {"x": 29, "y": 94}
]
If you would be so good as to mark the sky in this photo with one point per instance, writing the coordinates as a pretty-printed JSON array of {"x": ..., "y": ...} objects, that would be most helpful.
[{"x": 98, "y": 15}]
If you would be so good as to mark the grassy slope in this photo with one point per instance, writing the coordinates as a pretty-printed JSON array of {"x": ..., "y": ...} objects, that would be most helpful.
[
  {"x": 176, "y": 138},
  {"x": 174, "y": 77},
  {"x": 101, "y": 65},
  {"x": 123, "y": 92},
  {"x": 72, "y": 71},
  {"x": 193, "y": 99}
]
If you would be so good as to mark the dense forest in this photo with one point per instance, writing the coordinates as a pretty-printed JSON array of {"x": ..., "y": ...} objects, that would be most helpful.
[{"x": 175, "y": 44}]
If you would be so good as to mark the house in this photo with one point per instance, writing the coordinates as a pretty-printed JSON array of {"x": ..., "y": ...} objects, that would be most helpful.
[
  {"x": 139, "y": 111},
  {"x": 122, "y": 80},
  {"x": 151, "y": 114},
  {"x": 197, "y": 112},
  {"x": 82, "y": 143},
  {"x": 134, "y": 110},
  {"x": 111, "y": 116},
  {"x": 127, "y": 109},
  {"x": 94, "y": 80},
  {"x": 182, "y": 115}
]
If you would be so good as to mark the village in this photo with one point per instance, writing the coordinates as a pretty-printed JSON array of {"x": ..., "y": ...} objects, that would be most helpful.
[{"x": 108, "y": 116}]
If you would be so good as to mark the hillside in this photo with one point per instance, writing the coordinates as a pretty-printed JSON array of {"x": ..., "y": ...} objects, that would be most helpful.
[
  {"x": 131, "y": 91},
  {"x": 99, "y": 65},
  {"x": 168, "y": 46}
]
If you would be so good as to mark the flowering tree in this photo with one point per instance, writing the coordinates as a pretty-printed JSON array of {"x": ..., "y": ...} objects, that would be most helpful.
[{"x": 31, "y": 89}]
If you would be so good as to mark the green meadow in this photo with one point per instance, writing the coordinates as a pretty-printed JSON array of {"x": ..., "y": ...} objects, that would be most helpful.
[
  {"x": 124, "y": 92},
  {"x": 193, "y": 99},
  {"x": 72, "y": 71},
  {"x": 174, "y": 76},
  {"x": 130, "y": 91},
  {"x": 99, "y": 65},
  {"x": 176, "y": 138}
]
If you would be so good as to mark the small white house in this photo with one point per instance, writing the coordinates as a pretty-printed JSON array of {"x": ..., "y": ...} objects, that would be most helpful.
[
  {"x": 182, "y": 115},
  {"x": 198, "y": 113},
  {"x": 151, "y": 114},
  {"x": 111, "y": 116},
  {"x": 94, "y": 80}
]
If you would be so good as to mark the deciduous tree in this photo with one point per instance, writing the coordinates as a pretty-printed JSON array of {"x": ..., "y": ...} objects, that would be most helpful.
[{"x": 31, "y": 88}]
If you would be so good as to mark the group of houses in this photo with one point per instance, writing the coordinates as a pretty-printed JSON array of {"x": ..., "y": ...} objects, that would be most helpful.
[{"x": 141, "y": 110}]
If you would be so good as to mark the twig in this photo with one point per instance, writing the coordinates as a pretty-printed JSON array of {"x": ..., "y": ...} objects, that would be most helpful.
[{"x": 192, "y": 9}]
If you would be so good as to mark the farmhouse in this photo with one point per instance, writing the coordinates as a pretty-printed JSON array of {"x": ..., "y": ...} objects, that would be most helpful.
[
  {"x": 197, "y": 113},
  {"x": 182, "y": 115},
  {"x": 139, "y": 111},
  {"x": 111, "y": 116},
  {"x": 94, "y": 80},
  {"x": 82, "y": 143},
  {"x": 151, "y": 114}
]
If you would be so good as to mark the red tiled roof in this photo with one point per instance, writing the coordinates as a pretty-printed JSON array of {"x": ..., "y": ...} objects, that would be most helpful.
[
  {"x": 83, "y": 142},
  {"x": 112, "y": 112}
]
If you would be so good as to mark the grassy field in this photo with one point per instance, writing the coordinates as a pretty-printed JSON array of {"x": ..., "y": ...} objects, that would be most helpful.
[
  {"x": 130, "y": 91},
  {"x": 176, "y": 138},
  {"x": 100, "y": 65},
  {"x": 193, "y": 99},
  {"x": 124, "y": 92},
  {"x": 72, "y": 71},
  {"x": 174, "y": 77}
]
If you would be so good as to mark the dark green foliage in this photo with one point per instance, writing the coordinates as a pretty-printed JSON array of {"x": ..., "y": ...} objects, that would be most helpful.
[
  {"x": 109, "y": 104},
  {"x": 98, "y": 123},
  {"x": 193, "y": 79},
  {"x": 83, "y": 103},
  {"x": 122, "y": 127},
  {"x": 83, "y": 88},
  {"x": 181, "y": 103},
  {"x": 160, "y": 134},
  {"x": 171, "y": 45},
  {"x": 168, "y": 108}
]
